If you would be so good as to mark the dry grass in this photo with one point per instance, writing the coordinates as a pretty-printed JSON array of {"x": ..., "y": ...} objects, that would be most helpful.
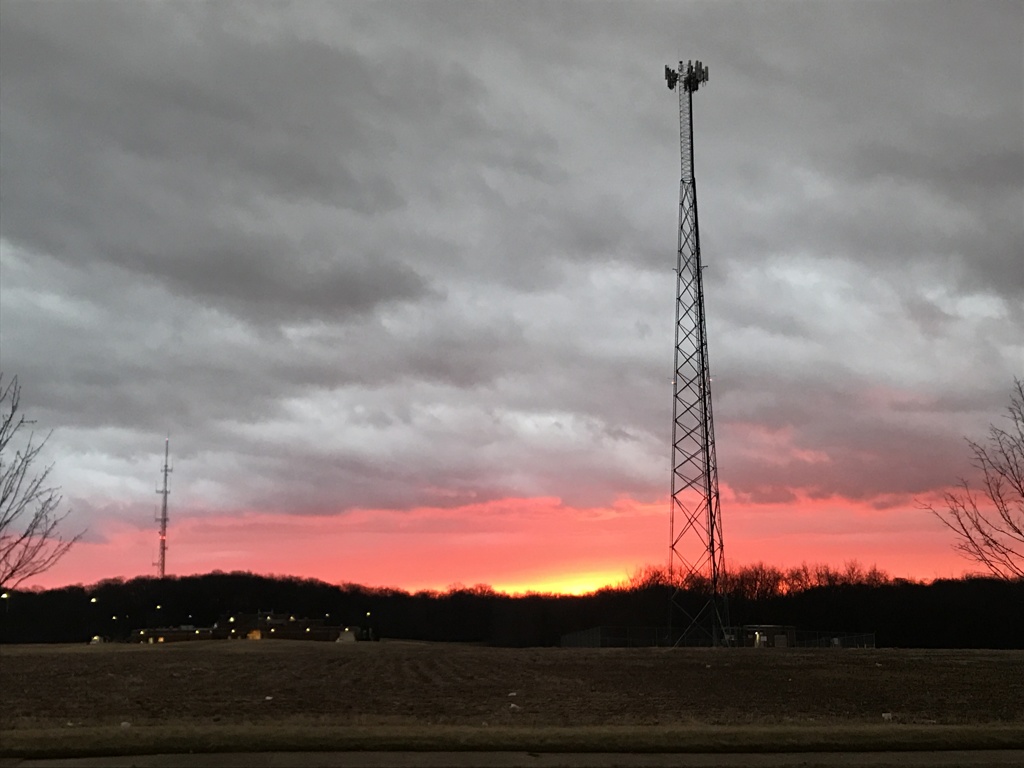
[{"x": 280, "y": 695}]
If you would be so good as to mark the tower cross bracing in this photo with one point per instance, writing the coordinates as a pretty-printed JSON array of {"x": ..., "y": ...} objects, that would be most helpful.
[{"x": 696, "y": 559}]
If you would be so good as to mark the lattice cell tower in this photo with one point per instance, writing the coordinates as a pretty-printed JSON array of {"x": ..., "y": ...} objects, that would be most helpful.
[
  {"x": 164, "y": 492},
  {"x": 695, "y": 525}
]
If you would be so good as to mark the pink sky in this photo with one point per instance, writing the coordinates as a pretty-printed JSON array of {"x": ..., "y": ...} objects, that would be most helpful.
[{"x": 513, "y": 545}]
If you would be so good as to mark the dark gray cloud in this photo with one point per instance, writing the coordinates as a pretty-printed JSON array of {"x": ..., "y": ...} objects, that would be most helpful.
[{"x": 385, "y": 256}]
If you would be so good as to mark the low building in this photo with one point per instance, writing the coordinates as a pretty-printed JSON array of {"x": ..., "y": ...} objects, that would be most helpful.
[
  {"x": 185, "y": 633},
  {"x": 278, "y": 626},
  {"x": 765, "y": 636},
  {"x": 262, "y": 625}
]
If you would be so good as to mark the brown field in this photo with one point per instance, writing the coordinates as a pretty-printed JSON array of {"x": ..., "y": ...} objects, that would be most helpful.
[{"x": 53, "y": 692}]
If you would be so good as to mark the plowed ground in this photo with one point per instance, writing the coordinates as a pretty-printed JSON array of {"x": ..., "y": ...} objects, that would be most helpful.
[{"x": 415, "y": 684}]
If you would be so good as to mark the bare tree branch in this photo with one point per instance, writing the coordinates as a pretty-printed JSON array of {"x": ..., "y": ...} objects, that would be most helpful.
[
  {"x": 990, "y": 527},
  {"x": 30, "y": 542}
]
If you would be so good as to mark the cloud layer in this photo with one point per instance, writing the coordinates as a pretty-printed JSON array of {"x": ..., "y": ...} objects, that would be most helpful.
[{"x": 398, "y": 257}]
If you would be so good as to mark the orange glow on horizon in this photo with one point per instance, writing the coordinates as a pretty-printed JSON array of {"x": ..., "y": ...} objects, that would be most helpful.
[
  {"x": 565, "y": 584},
  {"x": 515, "y": 545}
]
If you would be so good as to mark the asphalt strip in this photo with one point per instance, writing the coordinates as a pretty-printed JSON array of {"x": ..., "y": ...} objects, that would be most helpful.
[{"x": 949, "y": 759}]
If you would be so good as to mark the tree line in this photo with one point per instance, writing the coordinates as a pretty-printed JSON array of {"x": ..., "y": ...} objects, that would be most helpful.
[
  {"x": 947, "y": 613},
  {"x": 987, "y": 520}
]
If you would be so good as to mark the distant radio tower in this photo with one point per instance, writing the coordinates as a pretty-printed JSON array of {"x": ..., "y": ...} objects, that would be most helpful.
[
  {"x": 164, "y": 493},
  {"x": 695, "y": 524}
]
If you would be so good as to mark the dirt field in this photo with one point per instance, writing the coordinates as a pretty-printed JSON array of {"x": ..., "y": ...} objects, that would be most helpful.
[{"x": 222, "y": 683}]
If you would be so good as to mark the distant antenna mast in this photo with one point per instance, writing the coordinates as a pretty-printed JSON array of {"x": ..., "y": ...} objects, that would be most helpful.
[
  {"x": 164, "y": 493},
  {"x": 695, "y": 523}
]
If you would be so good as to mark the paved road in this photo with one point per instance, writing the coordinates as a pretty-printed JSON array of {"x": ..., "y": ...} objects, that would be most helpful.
[{"x": 952, "y": 759}]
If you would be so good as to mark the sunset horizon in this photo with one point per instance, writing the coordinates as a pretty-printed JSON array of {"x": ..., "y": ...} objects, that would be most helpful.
[
  {"x": 397, "y": 281},
  {"x": 371, "y": 550}
]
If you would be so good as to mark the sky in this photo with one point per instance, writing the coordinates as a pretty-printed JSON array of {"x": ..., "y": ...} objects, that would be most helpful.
[{"x": 397, "y": 278}]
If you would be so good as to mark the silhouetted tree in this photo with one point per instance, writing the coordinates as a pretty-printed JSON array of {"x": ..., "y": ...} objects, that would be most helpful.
[
  {"x": 755, "y": 582},
  {"x": 649, "y": 576},
  {"x": 30, "y": 542},
  {"x": 990, "y": 526},
  {"x": 967, "y": 613}
]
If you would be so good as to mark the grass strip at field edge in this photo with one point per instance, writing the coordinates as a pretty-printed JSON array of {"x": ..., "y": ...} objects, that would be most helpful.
[{"x": 180, "y": 739}]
